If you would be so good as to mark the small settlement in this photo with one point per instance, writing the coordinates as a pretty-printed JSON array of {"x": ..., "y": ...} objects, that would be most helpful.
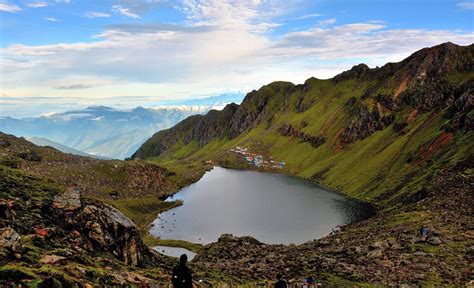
[{"x": 257, "y": 160}]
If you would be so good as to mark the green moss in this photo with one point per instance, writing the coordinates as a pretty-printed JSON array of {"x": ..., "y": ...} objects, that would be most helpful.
[
  {"x": 153, "y": 241},
  {"x": 11, "y": 272},
  {"x": 407, "y": 217},
  {"x": 142, "y": 211}
]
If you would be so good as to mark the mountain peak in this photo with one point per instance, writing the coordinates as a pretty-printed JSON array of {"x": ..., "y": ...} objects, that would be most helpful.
[
  {"x": 357, "y": 71},
  {"x": 99, "y": 108}
]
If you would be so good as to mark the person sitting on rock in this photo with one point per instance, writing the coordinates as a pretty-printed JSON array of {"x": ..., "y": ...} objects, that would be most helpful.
[
  {"x": 281, "y": 283},
  {"x": 182, "y": 275}
]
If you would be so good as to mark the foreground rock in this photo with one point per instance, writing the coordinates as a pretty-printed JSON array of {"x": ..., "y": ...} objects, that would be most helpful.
[{"x": 59, "y": 239}]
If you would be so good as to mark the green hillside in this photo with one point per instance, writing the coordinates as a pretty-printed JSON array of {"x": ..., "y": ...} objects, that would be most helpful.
[{"x": 379, "y": 128}]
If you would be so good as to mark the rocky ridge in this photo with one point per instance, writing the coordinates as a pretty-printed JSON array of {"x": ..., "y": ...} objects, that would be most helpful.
[{"x": 421, "y": 84}]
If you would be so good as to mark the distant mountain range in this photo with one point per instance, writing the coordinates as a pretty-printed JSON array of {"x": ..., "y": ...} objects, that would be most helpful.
[
  {"x": 44, "y": 142},
  {"x": 105, "y": 131}
]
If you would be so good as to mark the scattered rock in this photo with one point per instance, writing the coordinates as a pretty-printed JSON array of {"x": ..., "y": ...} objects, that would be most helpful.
[
  {"x": 434, "y": 241},
  {"x": 69, "y": 200},
  {"x": 421, "y": 254},
  {"x": 375, "y": 253},
  {"x": 53, "y": 259},
  {"x": 30, "y": 156}
]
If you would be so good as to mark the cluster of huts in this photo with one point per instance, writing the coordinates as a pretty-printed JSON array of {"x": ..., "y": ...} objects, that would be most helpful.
[{"x": 256, "y": 159}]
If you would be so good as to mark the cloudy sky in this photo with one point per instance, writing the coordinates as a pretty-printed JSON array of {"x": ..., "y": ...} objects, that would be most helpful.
[{"x": 57, "y": 54}]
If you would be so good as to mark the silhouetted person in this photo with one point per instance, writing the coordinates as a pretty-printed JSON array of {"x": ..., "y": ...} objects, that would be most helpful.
[
  {"x": 182, "y": 277},
  {"x": 281, "y": 283}
]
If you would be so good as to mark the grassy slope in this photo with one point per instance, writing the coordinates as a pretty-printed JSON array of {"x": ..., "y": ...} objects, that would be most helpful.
[
  {"x": 134, "y": 187},
  {"x": 364, "y": 169}
]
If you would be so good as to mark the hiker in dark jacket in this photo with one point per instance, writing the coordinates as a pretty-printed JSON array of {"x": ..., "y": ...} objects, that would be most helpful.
[
  {"x": 182, "y": 277},
  {"x": 281, "y": 283}
]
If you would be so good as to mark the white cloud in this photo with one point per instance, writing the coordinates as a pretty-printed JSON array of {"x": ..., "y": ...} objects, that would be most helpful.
[
  {"x": 37, "y": 4},
  {"x": 11, "y": 8},
  {"x": 51, "y": 19},
  {"x": 465, "y": 5},
  {"x": 223, "y": 46},
  {"x": 327, "y": 22},
  {"x": 94, "y": 14},
  {"x": 124, "y": 11},
  {"x": 367, "y": 42},
  {"x": 307, "y": 16}
]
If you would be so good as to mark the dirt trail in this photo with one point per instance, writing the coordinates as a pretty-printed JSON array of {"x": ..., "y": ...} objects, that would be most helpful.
[
  {"x": 329, "y": 121},
  {"x": 400, "y": 89}
]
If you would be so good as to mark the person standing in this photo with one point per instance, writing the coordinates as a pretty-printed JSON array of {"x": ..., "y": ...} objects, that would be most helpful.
[
  {"x": 182, "y": 275},
  {"x": 281, "y": 283}
]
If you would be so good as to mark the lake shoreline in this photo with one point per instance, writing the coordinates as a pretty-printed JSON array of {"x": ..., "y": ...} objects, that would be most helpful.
[{"x": 368, "y": 207}]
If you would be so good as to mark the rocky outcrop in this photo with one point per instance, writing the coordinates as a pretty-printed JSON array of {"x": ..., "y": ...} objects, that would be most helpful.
[
  {"x": 460, "y": 112},
  {"x": 358, "y": 72},
  {"x": 288, "y": 130},
  {"x": 9, "y": 241},
  {"x": 364, "y": 123},
  {"x": 48, "y": 214},
  {"x": 109, "y": 230},
  {"x": 213, "y": 125},
  {"x": 30, "y": 156},
  {"x": 426, "y": 93}
]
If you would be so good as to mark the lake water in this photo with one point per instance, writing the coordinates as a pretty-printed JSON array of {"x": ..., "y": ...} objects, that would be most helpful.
[
  {"x": 273, "y": 208},
  {"x": 174, "y": 251}
]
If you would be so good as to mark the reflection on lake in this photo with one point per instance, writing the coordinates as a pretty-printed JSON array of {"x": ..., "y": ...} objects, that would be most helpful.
[{"x": 273, "y": 208}]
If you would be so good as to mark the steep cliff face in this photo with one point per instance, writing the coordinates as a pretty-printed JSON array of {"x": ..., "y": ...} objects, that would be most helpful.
[{"x": 229, "y": 123}]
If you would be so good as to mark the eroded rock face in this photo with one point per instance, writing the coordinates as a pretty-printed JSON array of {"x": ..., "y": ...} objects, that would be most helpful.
[
  {"x": 460, "y": 115},
  {"x": 110, "y": 230},
  {"x": 214, "y": 124},
  {"x": 364, "y": 123},
  {"x": 288, "y": 130}
]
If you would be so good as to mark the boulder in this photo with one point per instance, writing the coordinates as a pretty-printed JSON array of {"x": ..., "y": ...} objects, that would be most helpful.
[
  {"x": 434, "y": 241},
  {"x": 110, "y": 230},
  {"x": 9, "y": 239},
  {"x": 377, "y": 253}
]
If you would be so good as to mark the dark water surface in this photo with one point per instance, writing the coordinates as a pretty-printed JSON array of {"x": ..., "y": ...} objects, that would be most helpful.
[{"x": 273, "y": 208}]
